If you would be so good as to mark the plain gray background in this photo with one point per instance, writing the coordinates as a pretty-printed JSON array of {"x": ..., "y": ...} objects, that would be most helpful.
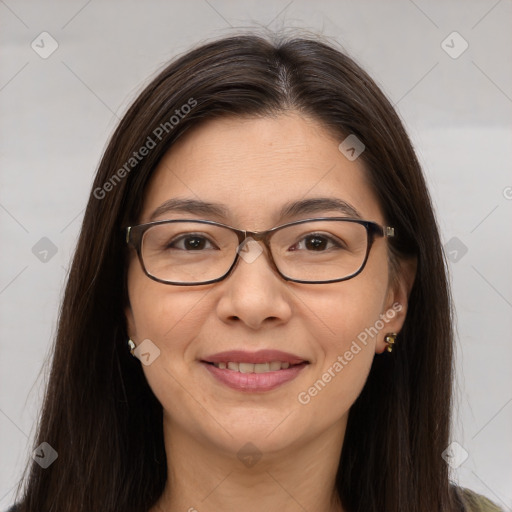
[{"x": 58, "y": 112}]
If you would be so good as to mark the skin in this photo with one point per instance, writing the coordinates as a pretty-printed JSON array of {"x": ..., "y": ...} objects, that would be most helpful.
[{"x": 239, "y": 162}]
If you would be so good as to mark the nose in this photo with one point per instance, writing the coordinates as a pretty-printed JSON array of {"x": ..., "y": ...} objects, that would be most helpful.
[{"x": 254, "y": 292}]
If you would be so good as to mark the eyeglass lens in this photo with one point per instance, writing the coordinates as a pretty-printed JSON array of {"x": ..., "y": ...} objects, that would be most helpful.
[{"x": 193, "y": 252}]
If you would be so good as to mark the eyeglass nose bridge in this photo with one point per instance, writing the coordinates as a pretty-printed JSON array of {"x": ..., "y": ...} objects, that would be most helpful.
[{"x": 246, "y": 237}]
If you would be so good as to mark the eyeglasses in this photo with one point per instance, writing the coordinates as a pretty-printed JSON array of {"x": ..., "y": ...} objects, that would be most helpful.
[{"x": 311, "y": 251}]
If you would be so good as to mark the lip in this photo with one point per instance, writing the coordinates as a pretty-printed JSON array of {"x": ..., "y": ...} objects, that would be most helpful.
[
  {"x": 261, "y": 356},
  {"x": 254, "y": 382}
]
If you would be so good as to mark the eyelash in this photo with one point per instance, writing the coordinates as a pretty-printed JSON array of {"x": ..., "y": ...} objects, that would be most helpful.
[{"x": 330, "y": 239}]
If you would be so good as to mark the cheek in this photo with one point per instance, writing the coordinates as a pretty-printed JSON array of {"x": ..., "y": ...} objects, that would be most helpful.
[
  {"x": 348, "y": 323},
  {"x": 345, "y": 361},
  {"x": 169, "y": 316},
  {"x": 347, "y": 311},
  {"x": 171, "y": 319}
]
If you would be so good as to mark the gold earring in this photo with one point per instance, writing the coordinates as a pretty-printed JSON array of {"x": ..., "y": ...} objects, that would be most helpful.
[
  {"x": 132, "y": 346},
  {"x": 390, "y": 340}
]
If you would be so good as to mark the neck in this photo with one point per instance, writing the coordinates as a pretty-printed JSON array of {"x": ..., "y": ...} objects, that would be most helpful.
[{"x": 204, "y": 478}]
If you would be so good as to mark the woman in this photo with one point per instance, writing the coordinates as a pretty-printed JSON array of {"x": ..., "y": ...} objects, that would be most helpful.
[{"x": 201, "y": 364}]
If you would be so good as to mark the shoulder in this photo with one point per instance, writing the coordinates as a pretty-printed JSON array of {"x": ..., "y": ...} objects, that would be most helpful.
[{"x": 474, "y": 502}]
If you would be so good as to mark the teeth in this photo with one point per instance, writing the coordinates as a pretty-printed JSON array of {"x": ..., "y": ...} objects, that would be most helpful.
[
  {"x": 261, "y": 367},
  {"x": 253, "y": 368},
  {"x": 246, "y": 367}
]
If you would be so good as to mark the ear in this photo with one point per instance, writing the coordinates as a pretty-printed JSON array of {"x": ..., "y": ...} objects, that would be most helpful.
[
  {"x": 397, "y": 299},
  {"x": 130, "y": 321}
]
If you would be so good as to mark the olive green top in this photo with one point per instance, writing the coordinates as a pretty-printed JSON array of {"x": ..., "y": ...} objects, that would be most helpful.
[{"x": 477, "y": 503}]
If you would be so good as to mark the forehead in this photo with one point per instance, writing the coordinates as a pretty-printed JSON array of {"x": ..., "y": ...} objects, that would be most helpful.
[{"x": 253, "y": 166}]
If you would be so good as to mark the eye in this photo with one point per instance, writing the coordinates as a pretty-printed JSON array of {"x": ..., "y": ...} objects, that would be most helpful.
[
  {"x": 318, "y": 242},
  {"x": 190, "y": 242}
]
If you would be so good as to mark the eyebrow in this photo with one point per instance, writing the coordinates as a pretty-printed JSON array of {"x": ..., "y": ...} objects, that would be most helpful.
[{"x": 288, "y": 210}]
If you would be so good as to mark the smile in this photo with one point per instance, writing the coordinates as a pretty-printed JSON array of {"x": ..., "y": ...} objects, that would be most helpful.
[
  {"x": 252, "y": 367},
  {"x": 254, "y": 377}
]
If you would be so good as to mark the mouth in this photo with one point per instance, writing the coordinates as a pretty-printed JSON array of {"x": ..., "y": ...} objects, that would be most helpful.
[
  {"x": 241, "y": 367},
  {"x": 254, "y": 372}
]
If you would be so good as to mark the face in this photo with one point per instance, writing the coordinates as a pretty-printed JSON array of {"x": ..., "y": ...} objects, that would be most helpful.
[{"x": 253, "y": 167}]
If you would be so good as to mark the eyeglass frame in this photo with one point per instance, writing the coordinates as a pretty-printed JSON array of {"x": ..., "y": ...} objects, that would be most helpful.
[{"x": 134, "y": 236}]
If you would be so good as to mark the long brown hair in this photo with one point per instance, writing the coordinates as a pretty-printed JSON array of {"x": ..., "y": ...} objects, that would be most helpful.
[{"x": 99, "y": 413}]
